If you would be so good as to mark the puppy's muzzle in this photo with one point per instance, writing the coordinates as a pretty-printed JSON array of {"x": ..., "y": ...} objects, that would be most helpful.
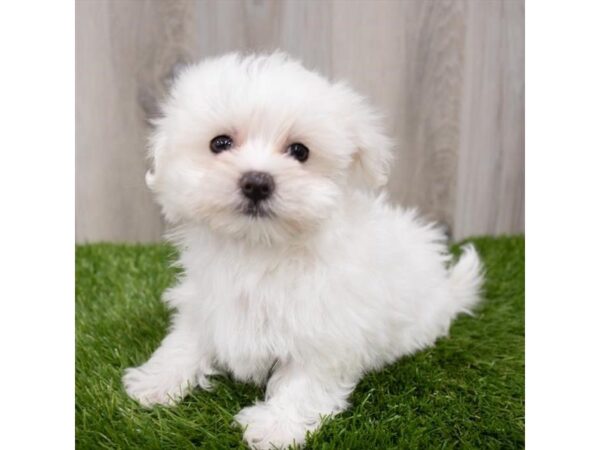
[{"x": 257, "y": 186}]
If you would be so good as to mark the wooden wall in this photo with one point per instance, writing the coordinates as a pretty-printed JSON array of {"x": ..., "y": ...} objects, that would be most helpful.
[{"x": 449, "y": 76}]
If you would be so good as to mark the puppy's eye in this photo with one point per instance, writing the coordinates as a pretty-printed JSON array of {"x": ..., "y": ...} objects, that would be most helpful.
[
  {"x": 298, "y": 151},
  {"x": 221, "y": 143}
]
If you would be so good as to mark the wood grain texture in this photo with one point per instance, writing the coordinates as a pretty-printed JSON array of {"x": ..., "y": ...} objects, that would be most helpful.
[
  {"x": 447, "y": 74},
  {"x": 124, "y": 52},
  {"x": 491, "y": 175},
  {"x": 301, "y": 28}
]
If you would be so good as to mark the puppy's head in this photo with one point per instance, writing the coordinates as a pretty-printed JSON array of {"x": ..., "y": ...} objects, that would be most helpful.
[{"x": 261, "y": 148}]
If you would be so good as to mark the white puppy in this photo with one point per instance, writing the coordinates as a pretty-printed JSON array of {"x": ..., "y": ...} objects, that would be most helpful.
[{"x": 296, "y": 273}]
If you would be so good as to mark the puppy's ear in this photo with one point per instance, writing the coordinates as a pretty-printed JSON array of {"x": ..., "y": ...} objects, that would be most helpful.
[{"x": 373, "y": 157}]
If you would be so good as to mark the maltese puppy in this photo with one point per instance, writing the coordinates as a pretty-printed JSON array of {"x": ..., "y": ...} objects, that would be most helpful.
[{"x": 298, "y": 274}]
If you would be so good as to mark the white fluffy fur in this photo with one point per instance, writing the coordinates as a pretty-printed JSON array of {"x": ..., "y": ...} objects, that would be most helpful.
[{"x": 334, "y": 283}]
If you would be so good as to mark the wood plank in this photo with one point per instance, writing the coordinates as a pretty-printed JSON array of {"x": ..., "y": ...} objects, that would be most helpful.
[
  {"x": 447, "y": 74},
  {"x": 124, "y": 52},
  {"x": 300, "y": 28},
  {"x": 491, "y": 173}
]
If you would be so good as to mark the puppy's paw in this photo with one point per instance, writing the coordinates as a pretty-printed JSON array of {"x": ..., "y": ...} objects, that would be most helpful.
[
  {"x": 150, "y": 386},
  {"x": 267, "y": 428}
]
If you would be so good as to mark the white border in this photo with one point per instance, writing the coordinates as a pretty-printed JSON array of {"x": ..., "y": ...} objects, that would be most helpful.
[
  {"x": 37, "y": 224},
  {"x": 562, "y": 224}
]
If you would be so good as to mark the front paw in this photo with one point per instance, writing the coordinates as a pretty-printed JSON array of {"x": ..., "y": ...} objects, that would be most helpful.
[
  {"x": 266, "y": 428},
  {"x": 150, "y": 386}
]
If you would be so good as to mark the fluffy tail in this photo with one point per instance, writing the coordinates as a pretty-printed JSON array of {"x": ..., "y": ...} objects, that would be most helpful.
[{"x": 466, "y": 279}]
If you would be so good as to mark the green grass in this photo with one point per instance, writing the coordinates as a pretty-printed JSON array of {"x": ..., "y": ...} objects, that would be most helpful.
[{"x": 466, "y": 392}]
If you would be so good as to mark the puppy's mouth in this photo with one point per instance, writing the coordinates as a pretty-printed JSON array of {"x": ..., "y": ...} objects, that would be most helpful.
[{"x": 256, "y": 209}]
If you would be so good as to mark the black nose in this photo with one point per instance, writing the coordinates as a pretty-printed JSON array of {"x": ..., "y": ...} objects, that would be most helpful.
[{"x": 257, "y": 186}]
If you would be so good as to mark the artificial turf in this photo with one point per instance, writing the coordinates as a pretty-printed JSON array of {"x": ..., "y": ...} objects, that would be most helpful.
[{"x": 466, "y": 392}]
